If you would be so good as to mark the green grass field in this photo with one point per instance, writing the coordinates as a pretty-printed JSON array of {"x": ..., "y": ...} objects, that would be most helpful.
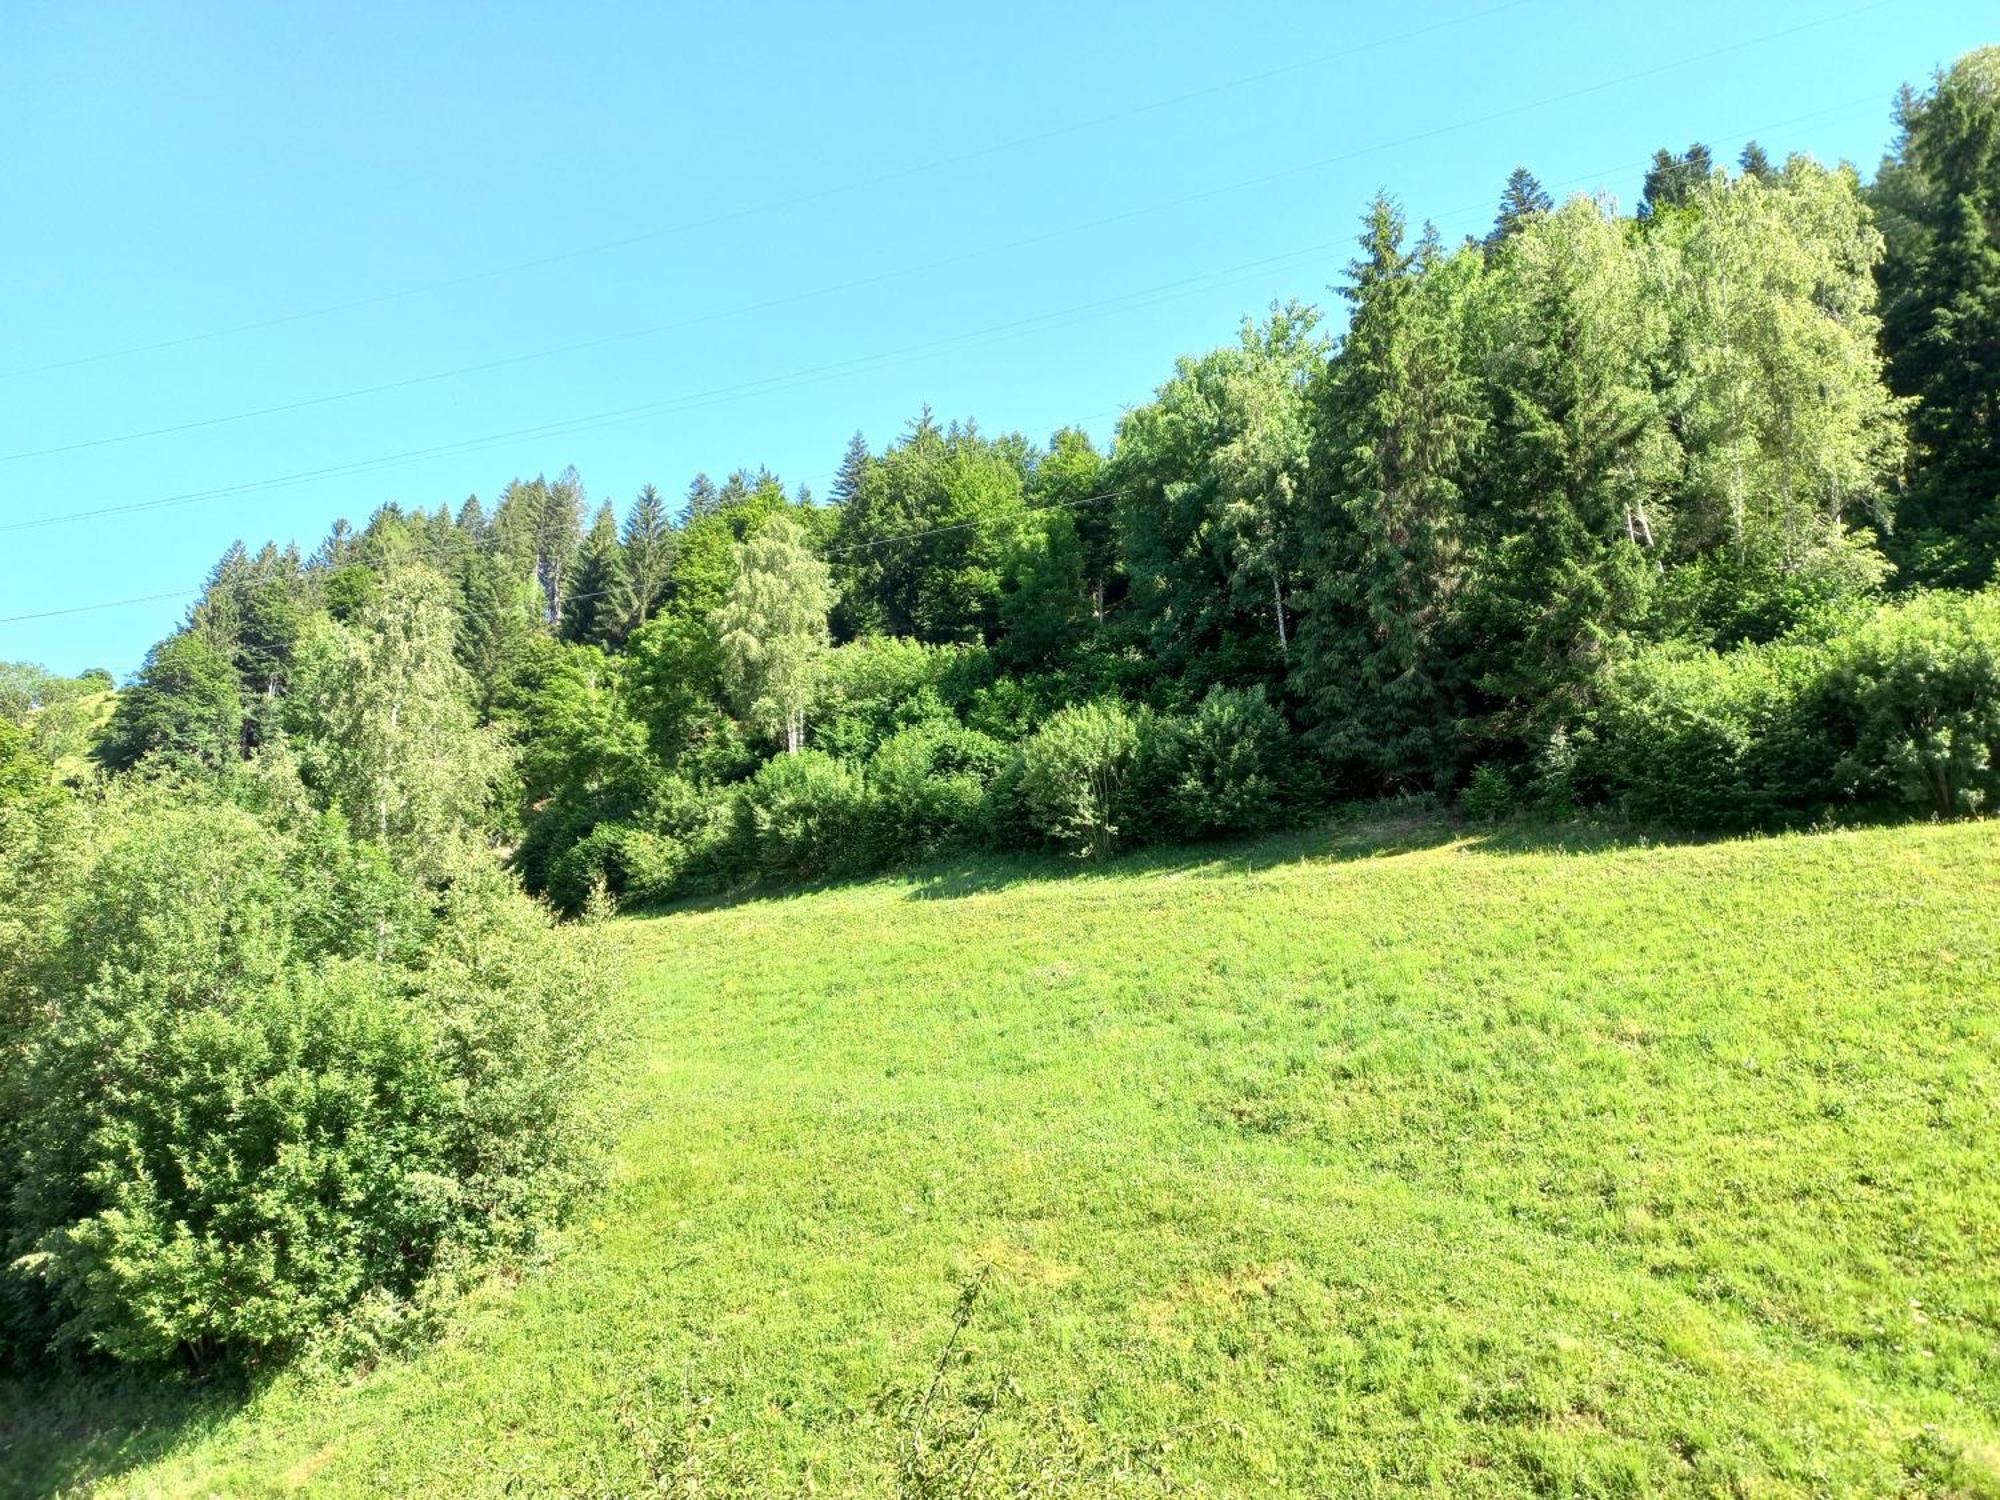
[{"x": 1379, "y": 1160}]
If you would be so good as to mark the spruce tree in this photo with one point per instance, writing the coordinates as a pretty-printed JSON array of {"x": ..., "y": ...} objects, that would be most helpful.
[
  {"x": 1397, "y": 418},
  {"x": 645, "y": 562},
  {"x": 1938, "y": 201},
  {"x": 590, "y": 608},
  {"x": 853, "y": 467},
  {"x": 1522, "y": 200}
]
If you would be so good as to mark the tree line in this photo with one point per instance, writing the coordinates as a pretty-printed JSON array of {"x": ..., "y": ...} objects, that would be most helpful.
[{"x": 1690, "y": 514}]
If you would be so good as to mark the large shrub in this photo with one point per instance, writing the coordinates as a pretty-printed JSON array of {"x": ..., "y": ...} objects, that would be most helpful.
[
  {"x": 1704, "y": 739},
  {"x": 1217, "y": 771},
  {"x": 252, "y": 1079},
  {"x": 925, "y": 787},
  {"x": 1912, "y": 695},
  {"x": 1896, "y": 708},
  {"x": 1072, "y": 771},
  {"x": 872, "y": 687},
  {"x": 803, "y": 815}
]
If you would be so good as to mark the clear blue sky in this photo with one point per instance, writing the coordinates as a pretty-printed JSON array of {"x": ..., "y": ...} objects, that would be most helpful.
[{"x": 848, "y": 211}]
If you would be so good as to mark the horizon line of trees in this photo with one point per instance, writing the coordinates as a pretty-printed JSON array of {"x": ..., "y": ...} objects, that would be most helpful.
[{"x": 1691, "y": 514}]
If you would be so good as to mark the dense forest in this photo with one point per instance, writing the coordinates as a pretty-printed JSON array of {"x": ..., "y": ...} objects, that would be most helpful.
[{"x": 1689, "y": 516}]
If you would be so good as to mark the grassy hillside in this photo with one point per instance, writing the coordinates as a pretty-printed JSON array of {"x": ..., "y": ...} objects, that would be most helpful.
[{"x": 1375, "y": 1161}]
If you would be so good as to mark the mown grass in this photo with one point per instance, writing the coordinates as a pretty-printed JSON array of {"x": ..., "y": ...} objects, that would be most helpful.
[{"x": 1382, "y": 1160}]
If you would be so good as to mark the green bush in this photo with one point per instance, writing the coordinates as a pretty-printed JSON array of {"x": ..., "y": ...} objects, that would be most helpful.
[
  {"x": 803, "y": 816},
  {"x": 1220, "y": 770},
  {"x": 250, "y": 1079},
  {"x": 1897, "y": 708},
  {"x": 926, "y": 785},
  {"x": 1705, "y": 739},
  {"x": 1072, "y": 772},
  {"x": 1488, "y": 795},
  {"x": 630, "y": 865},
  {"x": 877, "y": 685},
  {"x": 1912, "y": 695}
]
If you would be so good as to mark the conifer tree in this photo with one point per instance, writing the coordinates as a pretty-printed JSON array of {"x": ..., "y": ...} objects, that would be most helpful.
[
  {"x": 645, "y": 562},
  {"x": 1398, "y": 418},
  {"x": 590, "y": 609},
  {"x": 1523, "y": 199}
]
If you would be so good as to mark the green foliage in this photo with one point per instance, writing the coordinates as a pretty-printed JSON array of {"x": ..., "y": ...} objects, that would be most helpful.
[
  {"x": 184, "y": 710},
  {"x": 876, "y": 685},
  {"x": 383, "y": 711},
  {"x": 1489, "y": 794},
  {"x": 1917, "y": 691},
  {"x": 1220, "y": 771},
  {"x": 1938, "y": 200},
  {"x": 926, "y": 786},
  {"x": 1898, "y": 708},
  {"x": 803, "y": 815},
  {"x": 772, "y": 630},
  {"x": 923, "y": 546},
  {"x": 1381, "y": 659},
  {"x": 1072, "y": 771},
  {"x": 252, "y": 1078}
]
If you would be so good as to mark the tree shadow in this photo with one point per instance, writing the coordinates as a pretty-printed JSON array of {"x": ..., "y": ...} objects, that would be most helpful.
[
  {"x": 66, "y": 1432},
  {"x": 1375, "y": 830},
  {"x": 1358, "y": 831}
]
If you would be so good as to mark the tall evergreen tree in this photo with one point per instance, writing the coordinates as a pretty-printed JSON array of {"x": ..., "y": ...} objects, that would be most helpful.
[
  {"x": 590, "y": 609},
  {"x": 1398, "y": 418},
  {"x": 1672, "y": 179},
  {"x": 645, "y": 561},
  {"x": 1938, "y": 200},
  {"x": 853, "y": 469},
  {"x": 1755, "y": 163},
  {"x": 1522, "y": 200}
]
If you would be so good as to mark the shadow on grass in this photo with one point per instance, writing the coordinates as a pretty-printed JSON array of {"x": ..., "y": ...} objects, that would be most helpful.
[
  {"x": 1374, "y": 830},
  {"x": 68, "y": 1432},
  {"x": 1367, "y": 830}
]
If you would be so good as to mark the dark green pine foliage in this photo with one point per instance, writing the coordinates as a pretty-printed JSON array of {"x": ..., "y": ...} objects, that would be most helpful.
[
  {"x": 1578, "y": 462},
  {"x": 645, "y": 562},
  {"x": 1521, "y": 201},
  {"x": 1397, "y": 422},
  {"x": 1938, "y": 201},
  {"x": 1756, "y": 164},
  {"x": 853, "y": 469},
  {"x": 182, "y": 712},
  {"x": 255, "y": 611},
  {"x": 1672, "y": 179},
  {"x": 703, "y": 499},
  {"x": 590, "y": 606}
]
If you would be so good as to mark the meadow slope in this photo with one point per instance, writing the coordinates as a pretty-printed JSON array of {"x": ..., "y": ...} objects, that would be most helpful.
[{"x": 1384, "y": 1159}]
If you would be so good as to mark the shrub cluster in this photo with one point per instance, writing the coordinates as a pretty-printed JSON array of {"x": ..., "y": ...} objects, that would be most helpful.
[
  {"x": 254, "y": 1082},
  {"x": 1892, "y": 710}
]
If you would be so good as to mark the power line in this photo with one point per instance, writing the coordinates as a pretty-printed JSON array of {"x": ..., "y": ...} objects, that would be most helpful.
[
  {"x": 472, "y": 547},
  {"x": 940, "y": 263},
  {"x": 588, "y": 421},
  {"x": 841, "y": 368},
  {"x": 816, "y": 195},
  {"x": 762, "y": 385}
]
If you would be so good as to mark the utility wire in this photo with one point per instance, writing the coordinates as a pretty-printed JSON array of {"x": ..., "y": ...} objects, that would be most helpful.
[
  {"x": 977, "y": 253},
  {"x": 816, "y": 195},
  {"x": 759, "y": 386},
  {"x": 624, "y": 414},
  {"x": 473, "y": 547},
  {"x": 591, "y": 421}
]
